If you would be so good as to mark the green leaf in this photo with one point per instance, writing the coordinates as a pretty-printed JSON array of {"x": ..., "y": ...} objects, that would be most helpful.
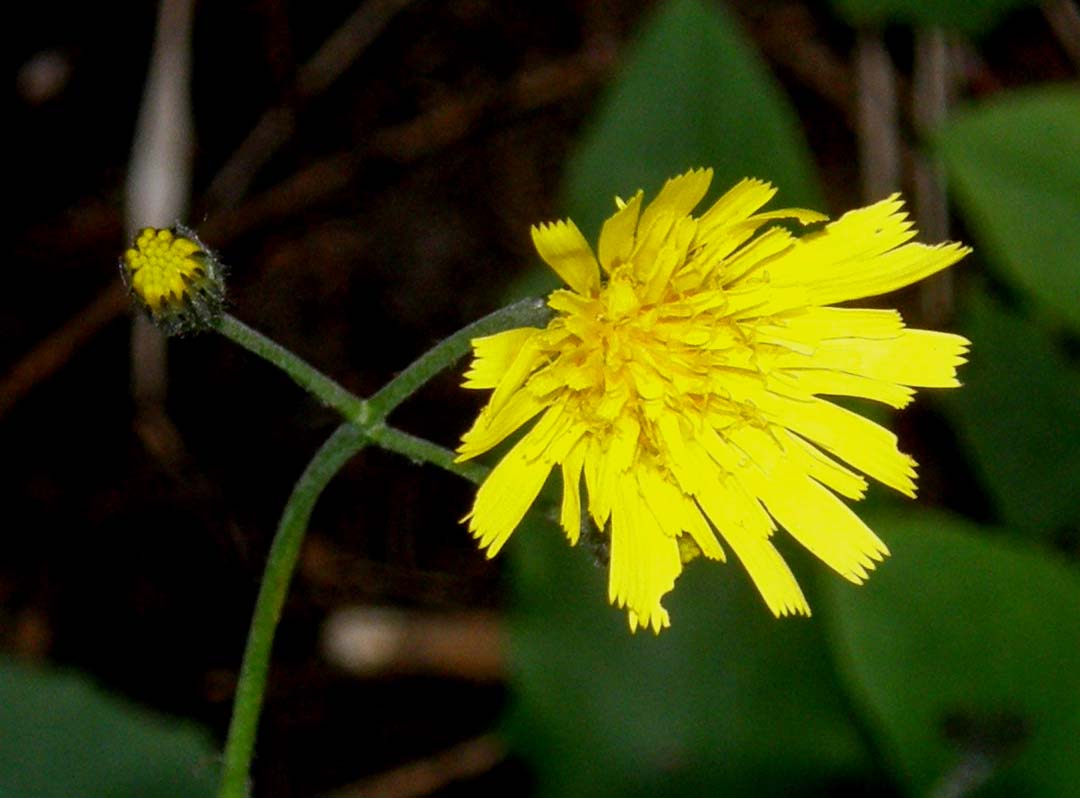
[
  {"x": 1018, "y": 415},
  {"x": 61, "y": 736},
  {"x": 963, "y": 651},
  {"x": 969, "y": 16},
  {"x": 692, "y": 92},
  {"x": 728, "y": 701},
  {"x": 1014, "y": 165}
]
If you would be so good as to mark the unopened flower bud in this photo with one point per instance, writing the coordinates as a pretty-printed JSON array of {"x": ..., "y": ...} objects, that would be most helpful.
[{"x": 174, "y": 279}]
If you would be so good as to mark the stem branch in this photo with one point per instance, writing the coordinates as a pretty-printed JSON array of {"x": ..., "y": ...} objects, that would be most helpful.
[
  {"x": 303, "y": 373},
  {"x": 526, "y": 313},
  {"x": 421, "y": 450},
  {"x": 365, "y": 424}
]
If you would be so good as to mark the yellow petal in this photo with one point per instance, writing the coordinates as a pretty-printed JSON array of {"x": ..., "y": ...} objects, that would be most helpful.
[
  {"x": 670, "y": 257},
  {"x": 856, "y": 440},
  {"x": 736, "y": 516},
  {"x": 868, "y": 343},
  {"x": 922, "y": 358},
  {"x": 555, "y": 435},
  {"x": 505, "y": 496},
  {"x": 622, "y": 446},
  {"x": 644, "y": 561},
  {"x": 529, "y": 357},
  {"x": 678, "y": 197},
  {"x": 677, "y": 450},
  {"x": 817, "y": 382},
  {"x": 564, "y": 249},
  {"x": 648, "y": 383},
  {"x": 493, "y": 355},
  {"x": 570, "y": 514},
  {"x": 819, "y": 324},
  {"x": 821, "y": 467},
  {"x": 697, "y": 527},
  {"x": 801, "y": 215},
  {"x": 675, "y": 512},
  {"x": 662, "y": 498},
  {"x": 740, "y": 201},
  {"x": 756, "y": 255},
  {"x": 598, "y": 483},
  {"x": 491, "y": 428},
  {"x": 617, "y": 234},
  {"x": 861, "y": 254},
  {"x": 916, "y": 357},
  {"x": 809, "y": 512},
  {"x": 824, "y": 525}
]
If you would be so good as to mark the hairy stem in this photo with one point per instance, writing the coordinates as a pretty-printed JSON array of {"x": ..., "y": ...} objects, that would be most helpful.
[
  {"x": 303, "y": 373},
  {"x": 346, "y": 441},
  {"x": 365, "y": 424}
]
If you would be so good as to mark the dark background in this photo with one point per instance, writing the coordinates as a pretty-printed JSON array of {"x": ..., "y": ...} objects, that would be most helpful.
[{"x": 395, "y": 211}]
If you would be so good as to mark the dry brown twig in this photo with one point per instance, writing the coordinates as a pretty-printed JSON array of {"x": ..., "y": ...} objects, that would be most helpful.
[
  {"x": 158, "y": 192},
  {"x": 534, "y": 88},
  {"x": 276, "y": 125},
  {"x": 877, "y": 114},
  {"x": 381, "y": 641},
  {"x": 932, "y": 94}
]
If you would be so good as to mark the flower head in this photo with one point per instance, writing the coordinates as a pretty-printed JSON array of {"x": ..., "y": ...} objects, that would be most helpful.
[
  {"x": 683, "y": 377},
  {"x": 172, "y": 276}
]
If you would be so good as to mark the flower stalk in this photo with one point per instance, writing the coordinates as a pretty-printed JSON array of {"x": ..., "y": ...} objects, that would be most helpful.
[
  {"x": 346, "y": 441},
  {"x": 364, "y": 425},
  {"x": 303, "y": 373}
]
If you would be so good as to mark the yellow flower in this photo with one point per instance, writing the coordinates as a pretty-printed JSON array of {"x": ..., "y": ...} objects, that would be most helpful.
[
  {"x": 682, "y": 376},
  {"x": 174, "y": 279}
]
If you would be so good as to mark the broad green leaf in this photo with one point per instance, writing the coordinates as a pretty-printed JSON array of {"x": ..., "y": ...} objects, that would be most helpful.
[
  {"x": 1014, "y": 166},
  {"x": 692, "y": 92},
  {"x": 970, "y": 16},
  {"x": 963, "y": 650},
  {"x": 728, "y": 701},
  {"x": 61, "y": 736},
  {"x": 1018, "y": 416}
]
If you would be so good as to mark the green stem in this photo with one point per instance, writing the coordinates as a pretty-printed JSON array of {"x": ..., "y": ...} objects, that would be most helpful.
[
  {"x": 346, "y": 441},
  {"x": 367, "y": 427},
  {"x": 421, "y": 450},
  {"x": 525, "y": 313},
  {"x": 304, "y": 374}
]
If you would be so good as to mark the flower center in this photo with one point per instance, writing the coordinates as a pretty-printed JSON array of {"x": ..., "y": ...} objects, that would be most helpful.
[{"x": 162, "y": 267}]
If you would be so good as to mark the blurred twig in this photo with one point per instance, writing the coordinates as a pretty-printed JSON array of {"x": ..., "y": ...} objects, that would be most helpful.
[
  {"x": 50, "y": 355},
  {"x": 427, "y": 776},
  {"x": 876, "y": 114},
  {"x": 971, "y": 773},
  {"x": 931, "y": 97},
  {"x": 455, "y": 118},
  {"x": 985, "y": 742},
  {"x": 158, "y": 187},
  {"x": 534, "y": 88},
  {"x": 790, "y": 36},
  {"x": 158, "y": 192},
  {"x": 159, "y": 175},
  {"x": 932, "y": 91},
  {"x": 381, "y": 641},
  {"x": 276, "y": 125},
  {"x": 1063, "y": 16}
]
